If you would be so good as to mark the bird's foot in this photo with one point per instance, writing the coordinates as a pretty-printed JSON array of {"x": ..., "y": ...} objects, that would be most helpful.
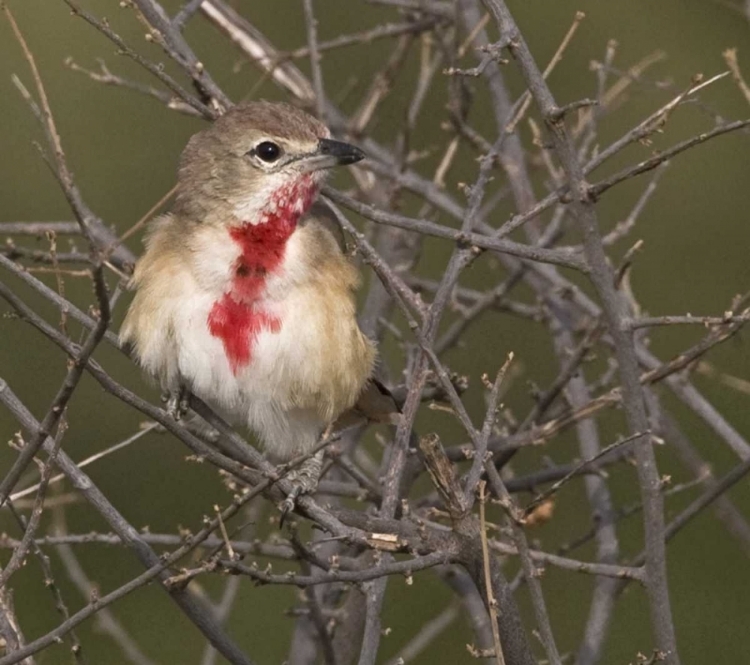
[
  {"x": 304, "y": 480},
  {"x": 176, "y": 402}
]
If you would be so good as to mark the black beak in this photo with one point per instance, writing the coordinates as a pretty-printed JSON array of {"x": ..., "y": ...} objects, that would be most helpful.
[{"x": 342, "y": 153}]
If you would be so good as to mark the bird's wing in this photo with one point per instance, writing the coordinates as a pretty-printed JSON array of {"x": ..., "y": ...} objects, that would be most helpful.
[{"x": 375, "y": 403}]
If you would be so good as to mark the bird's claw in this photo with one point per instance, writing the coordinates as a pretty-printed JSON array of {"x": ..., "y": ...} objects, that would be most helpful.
[
  {"x": 177, "y": 402},
  {"x": 304, "y": 481},
  {"x": 288, "y": 504}
]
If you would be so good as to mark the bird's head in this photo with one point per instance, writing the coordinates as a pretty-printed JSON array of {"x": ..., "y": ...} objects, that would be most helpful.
[{"x": 257, "y": 158}]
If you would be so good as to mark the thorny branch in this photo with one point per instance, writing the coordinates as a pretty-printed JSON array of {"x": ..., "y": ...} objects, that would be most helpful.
[{"x": 397, "y": 526}]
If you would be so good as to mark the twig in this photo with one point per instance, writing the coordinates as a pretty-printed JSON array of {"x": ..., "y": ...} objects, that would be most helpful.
[
  {"x": 106, "y": 77},
  {"x": 257, "y": 47},
  {"x": 368, "y": 36},
  {"x": 20, "y": 552},
  {"x": 650, "y": 321},
  {"x": 491, "y": 602},
  {"x": 515, "y": 521},
  {"x": 366, "y": 575},
  {"x": 511, "y": 126},
  {"x": 89, "y": 460},
  {"x": 39, "y": 228},
  {"x": 480, "y": 454},
  {"x": 312, "y": 43},
  {"x": 596, "y": 190},
  {"x": 426, "y": 635},
  {"x": 553, "y": 489},
  {"x": 143, "y": 220},
  {"x": 574, "y": 565},
  {"x": 624, "y": 227},
  {"x": 730, "y": 57},
  {"x": 187, "y": 11},
  {"x": 568, "y": 258}
]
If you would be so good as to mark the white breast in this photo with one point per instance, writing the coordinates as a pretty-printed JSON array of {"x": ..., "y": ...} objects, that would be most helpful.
[{"x": 262, "y": 392}]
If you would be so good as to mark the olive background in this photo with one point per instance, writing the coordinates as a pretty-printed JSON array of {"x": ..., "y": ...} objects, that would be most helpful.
[{"x": 123, "y": 149}]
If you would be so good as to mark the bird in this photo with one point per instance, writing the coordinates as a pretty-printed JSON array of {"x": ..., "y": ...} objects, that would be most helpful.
[{"x": 245, "y": 295}]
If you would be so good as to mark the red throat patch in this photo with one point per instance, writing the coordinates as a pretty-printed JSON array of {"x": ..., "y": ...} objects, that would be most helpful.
[{"x": 238, "y": 317}]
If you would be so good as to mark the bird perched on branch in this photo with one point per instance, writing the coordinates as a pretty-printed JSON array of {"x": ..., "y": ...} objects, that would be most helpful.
[{"x": 245, "y": 296}]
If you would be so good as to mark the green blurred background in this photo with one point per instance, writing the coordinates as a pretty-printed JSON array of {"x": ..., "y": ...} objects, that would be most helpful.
[{"x": 124, "y": 148}]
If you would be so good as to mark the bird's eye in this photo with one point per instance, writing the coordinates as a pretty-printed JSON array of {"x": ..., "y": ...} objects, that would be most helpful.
[{"x": 268, "y": 151}]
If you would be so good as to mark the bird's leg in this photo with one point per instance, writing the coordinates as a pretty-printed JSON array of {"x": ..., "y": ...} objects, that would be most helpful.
[
  {"x": 177, "y": 405},
  {"x": 177, "y": 401},
  {"x": 304, "y": 481}
]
